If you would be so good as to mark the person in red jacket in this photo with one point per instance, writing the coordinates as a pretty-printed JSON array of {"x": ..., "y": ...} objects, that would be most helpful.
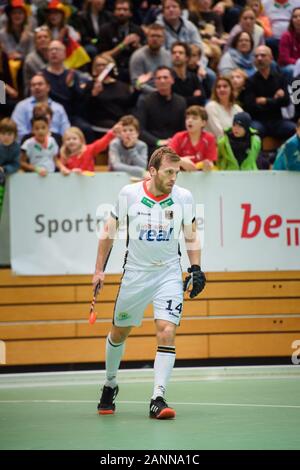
[
  {"x": 289, "y": 45},
  {"x": 196, "y": 147},
  {"x": 76, "y": 156}
]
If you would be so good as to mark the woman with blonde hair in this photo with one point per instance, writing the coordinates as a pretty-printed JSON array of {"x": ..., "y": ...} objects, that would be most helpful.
[{"x": 222, "y": 107}]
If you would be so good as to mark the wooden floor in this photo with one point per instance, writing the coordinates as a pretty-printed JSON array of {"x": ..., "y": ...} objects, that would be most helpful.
[{"x": 44, "y": 320}]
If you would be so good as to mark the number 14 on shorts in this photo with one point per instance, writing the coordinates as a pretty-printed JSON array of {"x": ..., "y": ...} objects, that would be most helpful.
[{"x": 171, "y": 306}]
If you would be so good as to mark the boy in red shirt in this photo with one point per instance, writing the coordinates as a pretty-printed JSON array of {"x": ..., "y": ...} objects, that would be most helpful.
[{"x": 196, "y": 147}]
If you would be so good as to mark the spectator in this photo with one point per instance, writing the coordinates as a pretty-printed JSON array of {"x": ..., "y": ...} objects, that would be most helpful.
[
  {"x": 187, "y": 83},
  {"x": 145, "y": 60},
  {"x": 266, "y": 93},
  {"x": 239, "y": 55},
  {"x": 288, "y": 156},
  {"x": 206, "y": 76},
  {"x": 161, "y": 114},
  {"x": 247, "y": 22},
  {"x": 9, "y": 153},
  {"x": 210, "y": 26},
  {"x": 43, "y": 109},
  {"x": 57, "y": 15},
  {"x": 238, "y": 78},
  {"x": 222, "y": 107},
  {"x": 76, "y": 156},
  {"x": 11, "y": 92},
  {"x": 289, "y": 46},
  {"x": 91, "y": 19},
  {"x": 279, "y": 14},
  {"x": 36, "y": 60},
  {"x": 121, "y": 37},
  {"x": 126, "y": 152},
  {"x": 176, "y": 27},
  {"x": 39, "y": 153},
  {"x": 106, "y": 99},
  {"x": 261, "y": 18},
  {"x": 66, "y": 86},
  {"x": 16, "y": 37},
  {"x": 196, "y": 147},
  {"x": 22, "y": 115},
  {"x": 240, "y": 146}
]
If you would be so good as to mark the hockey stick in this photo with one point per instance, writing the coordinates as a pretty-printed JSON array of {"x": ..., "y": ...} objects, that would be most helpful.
[{"x": 93, "y": 314}]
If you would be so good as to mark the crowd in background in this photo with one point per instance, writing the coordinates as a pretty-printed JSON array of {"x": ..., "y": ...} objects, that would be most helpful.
[{"x": 212, "y": 79}]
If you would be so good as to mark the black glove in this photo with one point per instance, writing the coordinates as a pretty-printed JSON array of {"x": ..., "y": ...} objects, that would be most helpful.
[{"x": 196, "y": 278}]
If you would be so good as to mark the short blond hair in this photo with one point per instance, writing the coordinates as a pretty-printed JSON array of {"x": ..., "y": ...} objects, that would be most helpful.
[{"x": 162, "y": 153}]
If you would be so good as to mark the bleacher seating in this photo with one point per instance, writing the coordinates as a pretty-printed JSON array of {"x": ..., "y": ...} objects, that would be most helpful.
[{"x": 44, "y": 320}]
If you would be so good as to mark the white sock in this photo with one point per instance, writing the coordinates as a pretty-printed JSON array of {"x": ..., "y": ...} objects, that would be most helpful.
[
  {"x": 163, "y": 366},
  {"x": 114, "y": 353}
]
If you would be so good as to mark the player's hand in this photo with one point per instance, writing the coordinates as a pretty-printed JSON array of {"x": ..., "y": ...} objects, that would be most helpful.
[
  {"x": 197, "y": 279},
  {"x": 98, "y": 278}
]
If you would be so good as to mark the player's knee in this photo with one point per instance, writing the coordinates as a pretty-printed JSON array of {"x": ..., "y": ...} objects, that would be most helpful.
[
  {"x": 119, "y": 335},
  {"x": 166, "y": 335}
]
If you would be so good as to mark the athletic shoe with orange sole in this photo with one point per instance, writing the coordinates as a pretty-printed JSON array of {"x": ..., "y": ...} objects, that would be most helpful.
[
  {"x": 106, "y": 406},
  {"x": 160, "y": 410}
]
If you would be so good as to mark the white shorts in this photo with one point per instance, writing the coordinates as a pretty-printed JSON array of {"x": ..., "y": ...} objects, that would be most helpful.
[{"x": 162, "y": 287}]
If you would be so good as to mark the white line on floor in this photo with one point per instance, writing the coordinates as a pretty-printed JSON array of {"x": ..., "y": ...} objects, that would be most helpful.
[{"x": 254, "y": 405}]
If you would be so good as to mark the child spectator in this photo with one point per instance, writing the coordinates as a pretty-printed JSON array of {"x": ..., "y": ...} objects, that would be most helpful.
[
  {"x": 9, "y": 153},
  {"x": 240, "y": 146},
  {"x": 238, "y": 79},
  {"x": 76, "y": 155},
  {"x": 196, "y": 147},
  {"x": 288, "y": 156},
  {"x": 127, "y": 152},
  {"x": 39, "y": 153},
  {"x": 43, "y": 109}
]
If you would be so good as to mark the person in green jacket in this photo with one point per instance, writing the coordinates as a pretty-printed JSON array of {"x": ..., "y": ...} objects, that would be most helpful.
[{"x": 240, "y": 146}]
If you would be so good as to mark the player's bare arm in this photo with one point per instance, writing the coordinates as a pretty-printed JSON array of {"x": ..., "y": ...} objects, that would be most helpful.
[
  {"x": 192, "y": 243},
  {"x": 105, "y": 244}
]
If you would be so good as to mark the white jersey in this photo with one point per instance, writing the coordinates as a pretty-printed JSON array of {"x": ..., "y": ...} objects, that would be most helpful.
[{"x": 153, "y": 224}]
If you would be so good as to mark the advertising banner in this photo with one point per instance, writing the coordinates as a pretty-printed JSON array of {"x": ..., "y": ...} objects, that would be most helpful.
[{"x": 248, "y": 221}]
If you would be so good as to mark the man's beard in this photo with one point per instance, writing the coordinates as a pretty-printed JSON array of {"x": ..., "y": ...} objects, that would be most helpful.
[{"x": 161, "y": 187}]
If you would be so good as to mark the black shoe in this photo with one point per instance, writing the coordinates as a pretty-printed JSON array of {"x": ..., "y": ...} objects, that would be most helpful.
[
  {"x": 107, "y": 405},
  {"x": 160, "y": 410}
]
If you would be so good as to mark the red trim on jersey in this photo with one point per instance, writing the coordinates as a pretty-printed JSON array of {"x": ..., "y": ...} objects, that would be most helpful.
[{"x": 155, "y": 198}]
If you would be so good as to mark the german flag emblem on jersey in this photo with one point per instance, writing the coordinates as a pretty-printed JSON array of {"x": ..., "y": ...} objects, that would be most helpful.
[{"x": 169, "y": 215}]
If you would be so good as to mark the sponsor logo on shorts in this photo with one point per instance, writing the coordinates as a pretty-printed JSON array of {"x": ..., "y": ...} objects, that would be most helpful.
[{"x": 123, "y": 316}]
